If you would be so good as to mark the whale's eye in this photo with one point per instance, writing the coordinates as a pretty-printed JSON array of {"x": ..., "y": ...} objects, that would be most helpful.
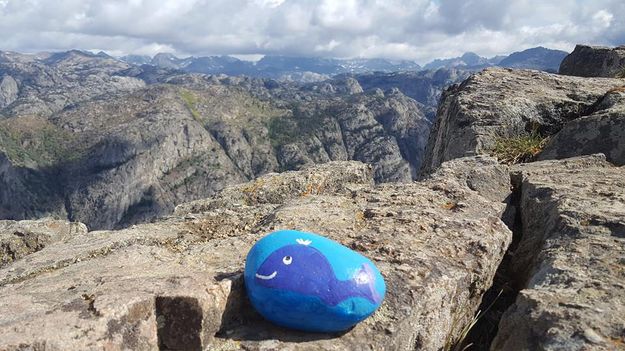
[{"x": 287, "y": 260}]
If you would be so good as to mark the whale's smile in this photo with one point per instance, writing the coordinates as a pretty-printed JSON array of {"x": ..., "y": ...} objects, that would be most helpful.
[{"x": 266, "y": 277}]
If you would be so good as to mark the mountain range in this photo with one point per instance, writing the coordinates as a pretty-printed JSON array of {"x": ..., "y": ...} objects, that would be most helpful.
[
  {"x": 309, "y": 69},
  {"x": 92, "y": 138},
  {"x": 539, "y": 58},
  {"x": 112, "y": 142}
]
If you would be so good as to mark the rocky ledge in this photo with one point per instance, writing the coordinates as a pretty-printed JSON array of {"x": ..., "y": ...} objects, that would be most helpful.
[
  {"x": 567, "y": 211},
  {"x": 571, "y": 258},
  {"x": 18, "y": 239},
  {"x": 499, "y": 103},
  {"x": 177, "y": 283}
]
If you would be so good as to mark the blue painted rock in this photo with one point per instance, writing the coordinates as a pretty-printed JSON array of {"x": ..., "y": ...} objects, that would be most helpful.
[{"x": 305, "y": 281}]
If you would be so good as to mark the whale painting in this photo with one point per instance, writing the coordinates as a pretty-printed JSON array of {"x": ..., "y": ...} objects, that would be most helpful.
[
  {"x": 308, "y": 282},
  {"x": 306, "y": 270}
]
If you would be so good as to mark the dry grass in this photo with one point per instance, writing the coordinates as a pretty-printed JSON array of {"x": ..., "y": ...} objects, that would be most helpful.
[
  {"x": 462, "y": 344},
  {"x": 519, "y": 149}
]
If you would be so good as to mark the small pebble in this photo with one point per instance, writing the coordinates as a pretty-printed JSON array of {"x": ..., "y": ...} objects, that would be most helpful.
[{"x": 592, "y": 336}]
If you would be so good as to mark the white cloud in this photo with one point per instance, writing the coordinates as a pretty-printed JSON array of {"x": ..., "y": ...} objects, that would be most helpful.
[
  {"x": 269, "y": 3},
  {"x": 328, "y": 47},
  {"x": 603, "y": 18},
  {"x": 405, "y": 29}
]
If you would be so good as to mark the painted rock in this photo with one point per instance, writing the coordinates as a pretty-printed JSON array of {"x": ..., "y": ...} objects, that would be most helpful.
[{"x": 305, "y": 281}]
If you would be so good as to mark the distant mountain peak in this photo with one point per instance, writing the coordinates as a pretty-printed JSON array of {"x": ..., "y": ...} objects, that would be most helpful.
[
  {"x": 468, "y": 59},
  {"x": 539, "y": 58},
  {"x": 274, "y": 66}
]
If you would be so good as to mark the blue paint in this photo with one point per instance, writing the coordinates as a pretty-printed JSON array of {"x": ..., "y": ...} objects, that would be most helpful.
[
  {"x": 305, "y": 281},
  {"x": 303, "y": 269}
]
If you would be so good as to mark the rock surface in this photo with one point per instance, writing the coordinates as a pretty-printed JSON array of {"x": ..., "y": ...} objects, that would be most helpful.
[
  {"x": 601, "y": 131},
  {"x": 595, "y": 61},
  {"x": 501, "y": 103},
  {"x": 19, "y": 239},
  {"x": 177, "y": 282},
  {"x": 480, "y": 173},
  {"x": 8, "y": 91},
  {"x": 571, "y": 258}
]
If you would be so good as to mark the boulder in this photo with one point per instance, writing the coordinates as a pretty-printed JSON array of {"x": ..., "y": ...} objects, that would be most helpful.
[
  {"x": 571, "y": 258},
  {"x": 8, "y": 91},
  {"x": 601, "y": 131},
  {"x": 502, "y": 103},
  {"x": 177, "y": 283},
  {"x": 594, "y": 61}
]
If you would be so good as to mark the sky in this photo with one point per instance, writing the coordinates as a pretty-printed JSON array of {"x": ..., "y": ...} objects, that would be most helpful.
[{"x": 419, "y": 30}]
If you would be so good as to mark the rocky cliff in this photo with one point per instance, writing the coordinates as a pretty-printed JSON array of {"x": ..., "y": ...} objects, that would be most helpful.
[
  {"x": 92, "y": 139},
  {"x": 595, "y": 61},
  {"x": 498, "y": 104},
  {"x": 425, "y": 87},
  {"x": 562, "y": 276}
]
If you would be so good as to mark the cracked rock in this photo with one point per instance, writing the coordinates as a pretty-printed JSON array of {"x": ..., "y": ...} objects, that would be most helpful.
[{"x": 137, "y": 288}]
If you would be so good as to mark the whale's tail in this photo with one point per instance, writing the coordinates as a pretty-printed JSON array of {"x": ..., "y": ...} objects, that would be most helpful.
[
  {"x": 366, "y": 283},
  {"x": 362, "y": 284}
]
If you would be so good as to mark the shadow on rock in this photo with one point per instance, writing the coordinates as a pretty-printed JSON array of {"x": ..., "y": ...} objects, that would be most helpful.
[{"x": 240, "y": 322}]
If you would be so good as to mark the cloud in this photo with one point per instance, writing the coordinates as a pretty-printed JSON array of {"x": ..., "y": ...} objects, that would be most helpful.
[
  {"x": 270, "y": 3},
  {"x": 401, "y": 29}
]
